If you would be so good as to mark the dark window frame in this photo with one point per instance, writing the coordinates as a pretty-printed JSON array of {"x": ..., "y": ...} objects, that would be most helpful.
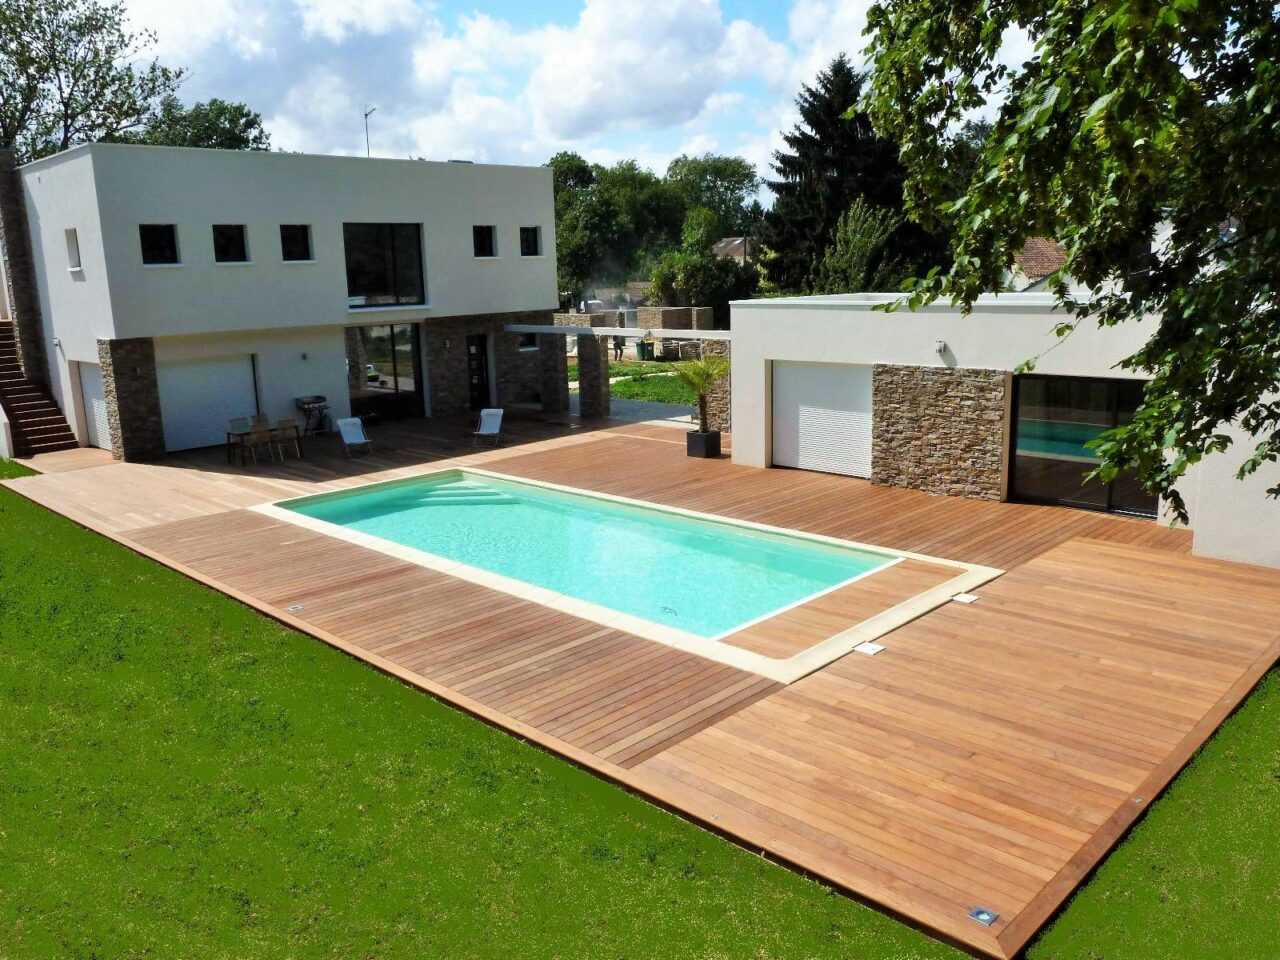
[
  {"x": 536, "y": 233},
  {"x": 1113, "y": 387},
  {"x": 484, "y": 236},
  {"x": 393, "y": 258},
  {"x": 527, "y": 341},
  {"x": 235, "y": 233},
  {"x": 305, "y": 228},
  {"x": 171, "y": 244}
]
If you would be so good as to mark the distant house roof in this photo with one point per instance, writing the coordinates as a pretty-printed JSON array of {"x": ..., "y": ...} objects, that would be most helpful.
[
  {"x": 735, "y": 247},
  {"x": 1040, "y": 257}
]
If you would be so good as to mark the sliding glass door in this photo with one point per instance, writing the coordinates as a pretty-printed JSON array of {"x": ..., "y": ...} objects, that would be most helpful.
[
  {"x": 384, "y": 371},
  {"x": 1054, "y": 417}
]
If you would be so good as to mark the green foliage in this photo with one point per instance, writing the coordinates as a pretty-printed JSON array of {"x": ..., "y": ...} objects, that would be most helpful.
[
  {"x": 725, "y": 185},
  {"x": 185, "y": 778},
  {"x": 856, "y": 261},
  {"x": 72, "y": 72},
  {"x": 654, "y": 390},
  {"x": 214, "y": 124},
  {"x": 701, "y": 231},
  {"x": 701, "y": 376},
  {"x": 685, "y": 278},
  {"x": 833, "y": 158},
  {"x": 1128, "y": 117}
]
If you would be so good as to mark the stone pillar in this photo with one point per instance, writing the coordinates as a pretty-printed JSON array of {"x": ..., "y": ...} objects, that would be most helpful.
[
  {"x": 20, "y": 272},
  {"x": 553, "y": 373},
  {"x": 719, "y": 406},
  {"x": 133, "y": 398},
  {"x": 593, "y": 377}
]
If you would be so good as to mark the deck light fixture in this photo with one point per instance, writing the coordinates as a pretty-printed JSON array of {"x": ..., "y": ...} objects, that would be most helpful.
[
  {"x": 984, "y": 916},
  {"x": 294, "y": 608}
]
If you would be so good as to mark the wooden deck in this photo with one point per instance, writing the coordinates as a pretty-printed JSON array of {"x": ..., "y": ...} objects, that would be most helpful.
[{"x": 989, "y": 757}]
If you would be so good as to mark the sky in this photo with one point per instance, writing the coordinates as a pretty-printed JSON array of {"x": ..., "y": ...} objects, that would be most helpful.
[{"x": 504, "y": 81}]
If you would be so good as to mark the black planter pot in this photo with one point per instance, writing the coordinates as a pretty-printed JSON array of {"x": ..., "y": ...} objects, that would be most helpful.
[{"x": 704, "y": 445}]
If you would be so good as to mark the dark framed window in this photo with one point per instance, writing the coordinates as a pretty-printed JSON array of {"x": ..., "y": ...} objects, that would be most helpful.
[
  {"x": 530, "y": 241},
  {"x": 1054, "y": 420},
  {"x": 295, "y": 242},
  {"x": 528, "y": 341},
  {"x": 384, "y": 264},
  {"x": 230, "y": 244},
  {"x": 484, "y": 240},
  {"x": 159, "y": 242}
]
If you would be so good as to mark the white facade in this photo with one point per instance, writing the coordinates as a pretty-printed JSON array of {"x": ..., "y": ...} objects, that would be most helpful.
[
  {"x": 289, "y": 314},
  {"x": 1231, "y": 519}
]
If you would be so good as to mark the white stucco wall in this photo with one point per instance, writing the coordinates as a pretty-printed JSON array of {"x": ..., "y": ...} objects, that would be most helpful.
[
  {"x": 75, "y": 306},
  {"x": 1235, "y": 519},
  {"x": 195, "y": 189},
  {"x": 290, "y": 364}
]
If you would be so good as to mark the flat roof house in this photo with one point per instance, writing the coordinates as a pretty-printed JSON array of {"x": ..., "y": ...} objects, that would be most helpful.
[
  {"x": 167, "y": 290},
  {"x": 931, "y": 400}
]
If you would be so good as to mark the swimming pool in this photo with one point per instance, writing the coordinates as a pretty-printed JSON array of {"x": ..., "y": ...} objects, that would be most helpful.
[{"x": 701, "y": 576}]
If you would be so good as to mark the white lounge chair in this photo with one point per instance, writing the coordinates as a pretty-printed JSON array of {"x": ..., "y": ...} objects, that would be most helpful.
[
  {"x": 490, "y": 427},
  {"x": 352, "y": 431}
]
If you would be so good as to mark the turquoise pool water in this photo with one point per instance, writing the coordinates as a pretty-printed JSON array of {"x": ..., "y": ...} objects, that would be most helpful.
[
  {"x": 701, "y": 576},
  {"x": 1052, "y": 438}
]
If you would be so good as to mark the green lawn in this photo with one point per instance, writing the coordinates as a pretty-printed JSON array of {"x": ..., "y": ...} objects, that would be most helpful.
[
  {"x": 659, "y": 389},
  {"x": 627, "y": 368},
  {"x": 181, "y": 777}
]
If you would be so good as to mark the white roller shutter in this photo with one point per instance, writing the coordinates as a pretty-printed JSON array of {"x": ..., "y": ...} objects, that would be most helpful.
[
  {"x": 94, "y": 399},
  {"x": 199, "y": 397},
  {"x": 822, "y": 417}
]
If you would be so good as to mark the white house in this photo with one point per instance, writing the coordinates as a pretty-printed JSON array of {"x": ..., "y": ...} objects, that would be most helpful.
[
  {"x": 930, "y": 400},
  {"x": 171, "y": 289}
]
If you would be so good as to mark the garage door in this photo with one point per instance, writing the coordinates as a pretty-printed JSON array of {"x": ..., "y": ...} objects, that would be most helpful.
[
  {"x": 198, "y": 397},
  {"x": 94, "y": 400},
  {"x": 822, "y": 417}
]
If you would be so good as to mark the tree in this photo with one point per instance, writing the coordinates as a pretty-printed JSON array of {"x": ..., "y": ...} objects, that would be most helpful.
[
  {"x": 215, "y": 124},
  {"x": 692, "y": 276},
  {"x": 833, "y": 159},
  {"x": 725, "y": 185},
  {"x": 1141, "y": 137},
  {"x": 701, "y": 376},
  {"x": 72, "y": 72},
  {"x": 856, "y": 259}
]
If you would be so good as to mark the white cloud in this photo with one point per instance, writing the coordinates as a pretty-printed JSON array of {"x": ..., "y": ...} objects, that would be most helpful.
[
  {"x": 336, "y": 19},
  {"x": 242, "y": 26}
]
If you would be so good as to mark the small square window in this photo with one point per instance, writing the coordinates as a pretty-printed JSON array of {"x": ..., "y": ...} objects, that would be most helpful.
[
  {"x": 159, "y": 242},
  {"x": 528, "y": 341},
  {"x": 73, "y": 249},
  {"x": 295, "y": 242},
  {"x": 530, "y": 241},
  {"x": 230, "y": 245},
  {"x": 485, "y": 241}
]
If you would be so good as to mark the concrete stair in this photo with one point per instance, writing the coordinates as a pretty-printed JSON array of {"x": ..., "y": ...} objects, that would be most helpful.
[{"x": 37, "y": 424}]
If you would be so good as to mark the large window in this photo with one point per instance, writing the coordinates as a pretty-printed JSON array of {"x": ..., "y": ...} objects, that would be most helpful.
[
  {"x": 159, "y": 243},
  {"x": 230, "y": 244},
  {"x": 383, "y": 371},
  {"x": 1054, "y": 417},
  {"x": 384, "y": 264}
]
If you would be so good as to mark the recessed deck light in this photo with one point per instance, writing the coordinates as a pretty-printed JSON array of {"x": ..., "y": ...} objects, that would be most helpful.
[
  {"x": 984, "y": 916},
  {"x": 294, "y": 608},
  {"x": 965, "y": 598},
  {"x": 869, "y": 649}
]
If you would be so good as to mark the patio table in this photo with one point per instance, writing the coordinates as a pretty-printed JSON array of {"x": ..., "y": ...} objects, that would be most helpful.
[{"x": 235, "y": 437}]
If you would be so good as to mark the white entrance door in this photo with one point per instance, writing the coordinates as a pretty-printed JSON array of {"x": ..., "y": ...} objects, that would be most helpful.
[
  {"x": 822, "y": 417},
  {"x": 94, "y": 400},
  {"x": 198, "y": 397}
]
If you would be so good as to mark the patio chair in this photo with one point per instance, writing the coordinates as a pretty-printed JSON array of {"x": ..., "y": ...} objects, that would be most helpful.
[
  {"x": 351, "y": 429},
  {"x": 255, "y": 440},
  {"x": 260, "y": 420},
  {"x": 284, "y": 434},
  {"x": 489, "y": 428}
]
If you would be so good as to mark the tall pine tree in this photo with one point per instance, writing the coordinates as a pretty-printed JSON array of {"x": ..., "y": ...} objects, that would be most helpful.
[{"x": 832, "y": 160}]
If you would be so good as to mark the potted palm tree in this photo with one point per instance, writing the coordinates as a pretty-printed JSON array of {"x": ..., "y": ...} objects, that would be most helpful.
[{"x": 701, "y": 376}]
